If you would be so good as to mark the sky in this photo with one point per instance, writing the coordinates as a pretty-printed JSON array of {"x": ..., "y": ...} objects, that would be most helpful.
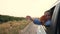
[{"x": 22, "y": 8}]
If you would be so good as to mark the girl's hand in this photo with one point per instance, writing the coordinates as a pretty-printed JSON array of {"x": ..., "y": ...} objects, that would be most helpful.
[{"x": 29, "y": 18}]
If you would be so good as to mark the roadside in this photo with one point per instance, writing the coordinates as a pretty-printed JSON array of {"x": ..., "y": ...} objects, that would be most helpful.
[
  {"x": 13, "y": 27},
  {"x": 33, "y": 29},
  {"x": 30, "y": 29}
]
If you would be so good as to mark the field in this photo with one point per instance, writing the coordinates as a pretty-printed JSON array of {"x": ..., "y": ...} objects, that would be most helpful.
[
  {"x": 11, "y": 24},
  {"x": 13, "y": 27}
]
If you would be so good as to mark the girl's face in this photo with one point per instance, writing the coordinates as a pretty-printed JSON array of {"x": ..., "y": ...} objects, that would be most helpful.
[{"x": 47, "y": 14}]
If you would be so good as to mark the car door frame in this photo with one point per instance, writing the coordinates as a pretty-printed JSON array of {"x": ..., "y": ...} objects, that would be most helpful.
[{"x": 54, "y": 19}]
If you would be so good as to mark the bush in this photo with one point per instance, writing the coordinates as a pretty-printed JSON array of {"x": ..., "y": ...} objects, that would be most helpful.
[{"x": 5, "y": 18}]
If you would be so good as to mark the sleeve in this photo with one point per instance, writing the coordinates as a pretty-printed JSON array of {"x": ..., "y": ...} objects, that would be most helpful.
[{"x": 36, "y": 21}]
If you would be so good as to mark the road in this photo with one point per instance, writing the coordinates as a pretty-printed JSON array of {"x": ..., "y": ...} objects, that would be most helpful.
[{"x": 35, "y": 29}]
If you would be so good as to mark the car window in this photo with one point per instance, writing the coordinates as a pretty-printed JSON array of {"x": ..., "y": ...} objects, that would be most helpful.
[{"x": 52, "y": 10}]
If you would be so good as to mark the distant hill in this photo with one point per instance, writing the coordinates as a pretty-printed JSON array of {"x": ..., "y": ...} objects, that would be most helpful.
[{"x": 6, "y": 18}]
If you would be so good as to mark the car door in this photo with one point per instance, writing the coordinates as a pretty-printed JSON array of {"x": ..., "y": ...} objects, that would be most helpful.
[{"x": 55, "y": 20}]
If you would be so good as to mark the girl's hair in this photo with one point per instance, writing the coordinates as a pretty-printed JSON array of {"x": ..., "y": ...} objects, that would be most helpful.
[{"x": 48, "y": 11}]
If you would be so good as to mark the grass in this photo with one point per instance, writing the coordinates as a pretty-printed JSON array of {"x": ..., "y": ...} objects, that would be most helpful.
[{"x": 13, "y": 27}]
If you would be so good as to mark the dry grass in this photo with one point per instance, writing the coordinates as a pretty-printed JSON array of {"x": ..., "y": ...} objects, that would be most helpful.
[{"x": 13, "y": 27}]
